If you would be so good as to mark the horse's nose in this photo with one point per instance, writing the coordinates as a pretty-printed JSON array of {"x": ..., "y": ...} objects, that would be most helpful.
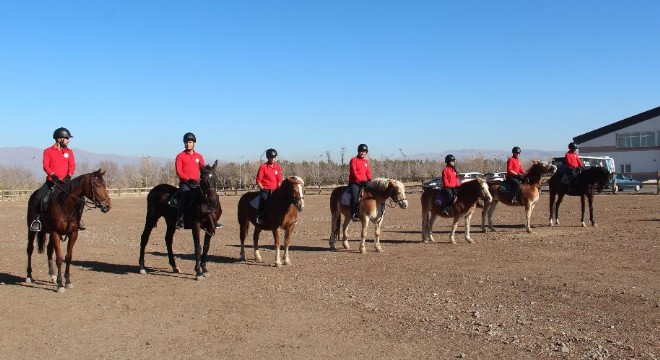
[
  {"x": 105, "y": 208},
  {"x": 404, "y": 204}
]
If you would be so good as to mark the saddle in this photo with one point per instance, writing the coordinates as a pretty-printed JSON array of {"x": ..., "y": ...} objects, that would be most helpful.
[
  {"x": 346, "y": 197},
  {"x": 441, "y": 199}
]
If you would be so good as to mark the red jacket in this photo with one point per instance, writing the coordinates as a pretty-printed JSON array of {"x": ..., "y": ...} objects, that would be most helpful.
[
  {"x": 59, "y": 162},
  {"x": 573, "y": 160},
  {"x": 450, "y": 177},
  {"x": 187, "y": 165},
  {"x": 513, "y": 165},
  {"x": 359, "y": 170},
  {"x": 269, "y": 177}
]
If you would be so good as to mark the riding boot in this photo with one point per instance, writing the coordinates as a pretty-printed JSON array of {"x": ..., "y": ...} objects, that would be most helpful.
[
  {"x": 179, "y": 217},
  {"x": 514, "y": 198},
  {"x": 445, "y": 210},
  {"x": 354, "y": 212},
  {"x": 260, "y": 216}
]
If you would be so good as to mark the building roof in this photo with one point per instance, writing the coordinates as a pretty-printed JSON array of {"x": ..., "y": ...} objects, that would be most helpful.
[{"x": 608, "y": 129}]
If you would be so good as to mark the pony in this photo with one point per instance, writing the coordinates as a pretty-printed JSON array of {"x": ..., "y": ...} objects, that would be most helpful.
[
  {"x": 468, "y": 194},
  {"x": 60, "y": 221},
  {"x": 585, "y": 184},
  {"x": 202, "y": 214},
  {"x": 530, "y": 192},
  {"x": 371, "y": 208},
  {"x": 280, "y": 213}
]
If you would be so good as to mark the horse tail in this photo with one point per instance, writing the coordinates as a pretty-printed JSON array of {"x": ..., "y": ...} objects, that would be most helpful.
[{"x": 41, "y": 240}]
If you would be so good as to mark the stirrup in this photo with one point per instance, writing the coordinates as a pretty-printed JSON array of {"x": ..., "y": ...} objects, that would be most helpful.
[
  {"x": 179, "y": 224},
  {"x": 355, "y": 217},
  {"x": 35, "y": 226},
  {"x": 259, "y": 219}
]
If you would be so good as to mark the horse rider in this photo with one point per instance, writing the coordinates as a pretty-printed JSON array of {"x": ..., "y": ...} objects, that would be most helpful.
[
  {"x": 573, "y": 163},
  {"x": 449, "y": 182},
  {"x": 187, "y": 165},
  {"x": 514, "y": 173},
  {"x": 358, "y": 177},
  {"x": 269, "y": 178},
  {"x": 59, "y": 165}
]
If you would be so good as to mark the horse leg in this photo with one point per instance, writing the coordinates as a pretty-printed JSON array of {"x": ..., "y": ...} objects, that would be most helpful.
[
  {"x": 560, "y": 197},
  {"x": 55, "y": 240},
  {"x": 144, "y": 240},
  {"x": 51, "y": 263},
  {"x": 255, "y": 242},
  {"x": 454, "y": 225},
  {"x": 334, "y": 229},
  {"x": 582, "y": 208},
  {"x": 363, "y": 234},
  {"x": 429, "y": 226},
  {"x": 552, "y": 203},
  {"x": 244, "y": 226},
  {"x": 276, "y": 237},
  {"x": 491, "y": 211},
  {"x": 344, "y": 238},
  {"x": 198, "y": 252},
  {"x": 484, "y": 214},
  {"x": 425, "y": 220},
  {"x": 30, "y": 249},
  {"x": 377, "y": 232},
  {"x": 528, "y": 217},
  {"x": 467, "y": 218},
  {"x": 69, "y": 257},
  {"x": 205, "y": 251},
  {"x": 287, "y": 241},
  {"x": 590, "y": 197},
  {"x": 169, "y": 238}
]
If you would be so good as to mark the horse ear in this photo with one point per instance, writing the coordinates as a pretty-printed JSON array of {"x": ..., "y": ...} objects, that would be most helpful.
[
  {"x": 101, "y": 173},
  {"x": 215, "y": 164}
]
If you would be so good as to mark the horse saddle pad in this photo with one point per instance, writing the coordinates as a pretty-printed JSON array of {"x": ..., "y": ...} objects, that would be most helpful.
[
  {"x": 256, "y": 202},
  {"x": 345, "y": 199},
  {"x": 441, "y": 198}
]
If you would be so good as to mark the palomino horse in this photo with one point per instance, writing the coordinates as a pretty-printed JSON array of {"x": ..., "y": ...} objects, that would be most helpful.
[
  {"x": 60, "y": 221},
  {"x": 530, "y": 192},
  {"x": 371, "y": 208},
  {"x": 468, "y": 194},
  {"x": 202, "y": 214},
  {"x": 585, "y": 184},
  {"x": 280, "y": 213}
]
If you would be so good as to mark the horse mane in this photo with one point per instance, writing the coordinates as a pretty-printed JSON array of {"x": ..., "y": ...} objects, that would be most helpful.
[{"x": 379, "y": 184}]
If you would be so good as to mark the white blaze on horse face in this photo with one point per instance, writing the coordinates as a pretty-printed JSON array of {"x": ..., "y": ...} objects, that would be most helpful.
[
  {"x": 302, "y": 196},
  {"x": 484, "y": 190}
]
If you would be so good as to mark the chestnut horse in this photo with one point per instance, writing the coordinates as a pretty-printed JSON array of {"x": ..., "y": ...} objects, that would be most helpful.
[
  {"x": 371, "y": 208},
  {"x": 530, "y": 191},
  {"x": 60, "y": 221},
  {"x": 468, "y": 194},
  {"x": 281, "y": 213},
  {"x": 585, "y": 184},
  {"x": 202, "y": 214}
]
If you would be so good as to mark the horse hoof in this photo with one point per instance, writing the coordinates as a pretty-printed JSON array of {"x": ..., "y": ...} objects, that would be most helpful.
[
  {"x": 143, "y": 271},
  {"x": 363, "y": 249},
  {"x": 584, "y": 225},
  {"x": 69, "y": 286},
  {"x": 379, "y": 249},
  {"x": 53, "y": 279},
  {"x": 452, "y": 241},
  {"x": 345, "y": 244},
  {"x": 199, "y": 277},
  {"x": 60, "y": 290},
  {"x": 176, "y": 270},
  {"x": 278, "y": 265},
  {"x": 469, "y": 240},
  {"x": 287, "y": 262},
  {"x": 28, "y": 280}
]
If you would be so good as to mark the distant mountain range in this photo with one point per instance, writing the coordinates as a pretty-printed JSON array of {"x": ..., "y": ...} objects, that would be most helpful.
[{"x": 30, "y": 157}]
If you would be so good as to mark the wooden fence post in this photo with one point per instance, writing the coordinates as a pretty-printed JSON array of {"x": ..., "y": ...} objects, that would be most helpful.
[{"x": 657, "y": 182}]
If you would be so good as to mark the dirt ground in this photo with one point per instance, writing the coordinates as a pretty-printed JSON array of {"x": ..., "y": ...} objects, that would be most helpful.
[{"x": 561, "y": 292}]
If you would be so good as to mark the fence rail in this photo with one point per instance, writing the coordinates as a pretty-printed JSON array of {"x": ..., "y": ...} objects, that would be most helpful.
[{"x": 12, "y": 195}]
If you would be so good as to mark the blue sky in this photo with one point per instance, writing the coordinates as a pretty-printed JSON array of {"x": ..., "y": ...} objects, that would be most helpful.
[{"x": 306, "y": 77}]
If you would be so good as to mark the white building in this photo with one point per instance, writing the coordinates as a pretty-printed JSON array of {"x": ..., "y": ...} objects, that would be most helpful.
[{"x": 633, "y": 143}]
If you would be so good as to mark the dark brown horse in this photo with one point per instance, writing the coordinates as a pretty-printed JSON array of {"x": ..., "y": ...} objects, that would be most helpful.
[
  {"x": 60, "y": 221},
  {"x": 585, "y": 185},
  {"x": 530, "y": 191},
  {"x": 202, "y": 214},
  {"x": 468, "y": 194},
  {"x": 371, "y": 208},
  {"x": 280, "y": 213}
]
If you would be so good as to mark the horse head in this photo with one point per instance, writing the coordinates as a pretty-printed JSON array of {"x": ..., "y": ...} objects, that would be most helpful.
[
  {"x": 598, "y": 176},
  {"x": 537, "y": 169},
  {"x": 389, "y": 188},
  {"x": 207, "y": 184},
  {"x": 484, "y": 193},
  {"x": 297, "y": 191},
  {"x": 207, "y": 176},
  {"x": 97, "y": 191}
]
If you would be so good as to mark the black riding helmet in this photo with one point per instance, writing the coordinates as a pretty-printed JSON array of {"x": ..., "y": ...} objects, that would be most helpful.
[
  {"x": 61, "y": 133},
  {"x": 449, "y": 158},
  {"x": 189, "y": 136},
  {"x": 363, "y": 147},
  {"x": 573, "y": 146},
  {"x": 271, "y": 153},
  {"x": 516, "y": 150}
]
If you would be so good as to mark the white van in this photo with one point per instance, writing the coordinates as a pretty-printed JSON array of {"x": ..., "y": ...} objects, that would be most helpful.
[{"x": 589, "y": 161}]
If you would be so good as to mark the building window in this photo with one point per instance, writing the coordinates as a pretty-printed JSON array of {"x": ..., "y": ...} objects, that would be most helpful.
[
  {"x": 625, "y": 168},
  {"x": 637, "y": 139}
]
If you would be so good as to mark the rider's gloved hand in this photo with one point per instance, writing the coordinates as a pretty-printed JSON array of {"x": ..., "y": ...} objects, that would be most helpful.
[
  {"x": 192, "y": 183},
  {"x": 67, "y": 178},
  {"x": 56, "y": 179}
]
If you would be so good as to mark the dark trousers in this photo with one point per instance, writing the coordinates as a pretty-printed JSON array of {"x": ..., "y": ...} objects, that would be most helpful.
[
  {"x": 38, "y": 200},
  {"x": 265, "y": 195},
  {"x": 516, "y": 184},
  {"x": 449, "y": 195},
  {"x": 354, "y": 188},
  {"x": 184, "y": 198}
]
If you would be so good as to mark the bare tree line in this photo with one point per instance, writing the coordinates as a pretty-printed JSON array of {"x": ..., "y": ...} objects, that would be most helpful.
[{"x": 241, "y": 175}]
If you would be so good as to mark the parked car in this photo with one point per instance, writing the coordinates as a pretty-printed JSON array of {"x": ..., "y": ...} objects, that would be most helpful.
[
  {"x": 495, "y": 176},
  {"x": 435, "y": 183},
  {"x": 623, "y": 182},
  {"x": 464, "y": 177}
]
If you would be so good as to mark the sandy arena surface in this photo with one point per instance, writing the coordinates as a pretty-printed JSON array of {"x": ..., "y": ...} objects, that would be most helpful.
[{"x": 561, "y": 292}]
